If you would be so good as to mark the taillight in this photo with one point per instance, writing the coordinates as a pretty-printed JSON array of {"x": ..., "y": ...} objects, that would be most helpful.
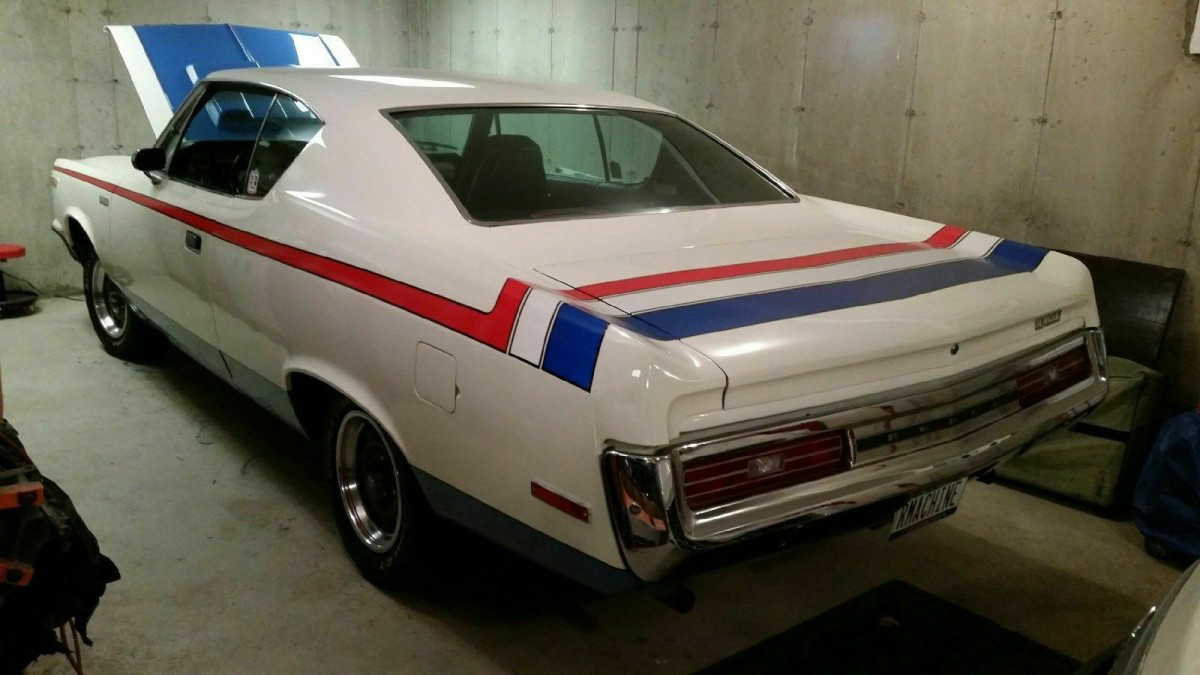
[
  {"x": 1054, "y": 376},
  {"x": 720, "y": 479}
]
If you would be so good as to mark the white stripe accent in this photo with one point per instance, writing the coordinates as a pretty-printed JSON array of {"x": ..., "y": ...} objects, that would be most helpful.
[
  {"x": 976, "y": 244},
  {"x": 145, "y": 80},
  {"x": 533, "y": 326},
  {"x": 311, "y": 52},
  {"x": 341, "y": 53}
]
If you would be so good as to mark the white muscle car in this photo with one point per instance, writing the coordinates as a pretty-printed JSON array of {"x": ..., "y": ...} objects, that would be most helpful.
[{"x": 569, "y": 319}]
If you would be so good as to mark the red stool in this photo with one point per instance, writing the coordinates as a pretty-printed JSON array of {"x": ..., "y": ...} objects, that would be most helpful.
[{"x": 12, "y": 302}]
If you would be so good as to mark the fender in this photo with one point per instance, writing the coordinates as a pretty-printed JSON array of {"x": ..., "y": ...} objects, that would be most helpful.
[
  {"x": 349, "y": 386},
  {"x": 74, "y": 213}
]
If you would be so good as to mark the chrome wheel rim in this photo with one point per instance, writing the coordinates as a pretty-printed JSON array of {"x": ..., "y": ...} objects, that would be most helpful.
[
  {"x": 108, "y": 302},
  {"x": 368, "y": 480}
]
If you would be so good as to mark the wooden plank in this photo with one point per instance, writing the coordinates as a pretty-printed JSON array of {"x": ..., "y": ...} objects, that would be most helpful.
[
  {"x": 582, "y": 42},
  {"x": 474, "y": 36},
  {"x": 760, "y": 42},
  {"x": 675, "y": 55},
  {"x": 1117, "y": 170},
  {"x": 980, "y": 83},
  {"x": 625, "y": 46},
  {"x": 857, "y": 82},
  {"x": 523, "y": 48}
]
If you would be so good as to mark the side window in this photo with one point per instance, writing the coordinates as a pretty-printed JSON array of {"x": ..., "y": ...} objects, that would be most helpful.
[
  {"x": 289, "y": 126},
  {"x": 215, "y": 149}
]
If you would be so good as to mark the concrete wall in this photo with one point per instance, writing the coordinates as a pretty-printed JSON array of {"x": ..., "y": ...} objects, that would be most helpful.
[
  {"x": 65, "y": 93},
  {"x": 1070, "y": 123},
  {"x": 1066, "y": 123}
]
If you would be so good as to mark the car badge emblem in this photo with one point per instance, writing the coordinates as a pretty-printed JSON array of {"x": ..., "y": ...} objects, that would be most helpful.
[{"x": 1047, "y": 319}]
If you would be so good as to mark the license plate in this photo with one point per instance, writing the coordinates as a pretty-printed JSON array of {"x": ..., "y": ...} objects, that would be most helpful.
[{"x": 927, "y": 508}]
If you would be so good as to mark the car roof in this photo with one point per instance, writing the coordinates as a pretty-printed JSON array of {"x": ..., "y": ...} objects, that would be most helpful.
[{"x": 327, "y": 89}]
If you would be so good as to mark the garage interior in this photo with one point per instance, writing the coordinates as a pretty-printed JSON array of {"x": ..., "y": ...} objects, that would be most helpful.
[{"x": 1067, "y": 124}]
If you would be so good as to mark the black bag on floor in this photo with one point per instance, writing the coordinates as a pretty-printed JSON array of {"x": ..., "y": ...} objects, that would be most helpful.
[
  {"x": 1166, "y": 504},
  {"x": 55, "y": 571}
]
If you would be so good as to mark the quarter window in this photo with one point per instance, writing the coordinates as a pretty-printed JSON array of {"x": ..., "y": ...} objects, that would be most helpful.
[
  {"x": 290, "y": 125},
  {"x": 239, "y": 141}
]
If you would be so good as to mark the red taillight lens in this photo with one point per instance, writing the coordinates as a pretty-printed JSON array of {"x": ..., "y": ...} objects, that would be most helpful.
[
  {"x": 1054, "y": 376},
  {"x": 725, "y": 478}
]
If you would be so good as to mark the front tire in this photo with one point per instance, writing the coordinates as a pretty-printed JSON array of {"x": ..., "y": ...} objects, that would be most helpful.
[
  {"x": 380, "y": 512},
  {"x": 121, "y": 331}
]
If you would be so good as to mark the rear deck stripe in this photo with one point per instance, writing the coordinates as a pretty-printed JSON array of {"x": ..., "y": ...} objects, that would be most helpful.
[
  {"x": 1006, "y": 258},
  {"x": 492, "y": 327},
  {"x": 946, "y": 237}
]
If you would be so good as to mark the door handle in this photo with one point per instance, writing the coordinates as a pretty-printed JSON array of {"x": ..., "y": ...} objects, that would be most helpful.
[{"x": 192, "y": 241}]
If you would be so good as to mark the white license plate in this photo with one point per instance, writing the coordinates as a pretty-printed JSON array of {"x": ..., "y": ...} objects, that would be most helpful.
[{"x": 928, "y": 508}]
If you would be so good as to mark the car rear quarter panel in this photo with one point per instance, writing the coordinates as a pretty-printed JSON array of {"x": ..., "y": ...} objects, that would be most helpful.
[{"x": 512, "y": 423}]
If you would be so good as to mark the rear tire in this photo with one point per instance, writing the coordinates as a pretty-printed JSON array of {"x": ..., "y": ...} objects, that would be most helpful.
[
  {"x": 121, "y": 331},
  {"x": 379, "y": 509}
]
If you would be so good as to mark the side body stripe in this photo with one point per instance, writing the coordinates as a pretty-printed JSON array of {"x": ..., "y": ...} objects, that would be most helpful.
[
  {"x": 492, "y": 327},
  {"x": 538, "y": 327}
]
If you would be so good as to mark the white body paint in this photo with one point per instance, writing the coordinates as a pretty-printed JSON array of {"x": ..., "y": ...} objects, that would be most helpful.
[{"x": 361, "y": 195}]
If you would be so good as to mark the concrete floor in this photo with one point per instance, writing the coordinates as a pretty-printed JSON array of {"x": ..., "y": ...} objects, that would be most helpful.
[{"x": 218, "y": 520}]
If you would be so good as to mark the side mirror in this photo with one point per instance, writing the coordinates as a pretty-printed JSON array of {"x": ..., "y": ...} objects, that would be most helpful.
[{"x": 150, "y": 159}]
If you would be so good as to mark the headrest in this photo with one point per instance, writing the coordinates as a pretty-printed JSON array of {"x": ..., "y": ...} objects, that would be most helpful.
[
  {"x": 509, "y": 179},
  {"x": 239, "y": 122}
]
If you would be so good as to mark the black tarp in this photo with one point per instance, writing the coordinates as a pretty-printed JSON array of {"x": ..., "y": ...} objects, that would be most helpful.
[{"x": 69, "y": 572}]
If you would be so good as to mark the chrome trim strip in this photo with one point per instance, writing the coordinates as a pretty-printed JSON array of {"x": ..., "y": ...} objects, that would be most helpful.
[{"x": 657, "y": 530}]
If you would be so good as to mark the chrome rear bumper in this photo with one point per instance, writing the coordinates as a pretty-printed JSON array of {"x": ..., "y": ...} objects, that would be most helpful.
[{"x": 964, "y": 426}]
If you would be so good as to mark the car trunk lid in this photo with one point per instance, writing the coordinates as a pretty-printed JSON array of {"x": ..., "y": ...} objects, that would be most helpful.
[{"x": 836, "y": 305}]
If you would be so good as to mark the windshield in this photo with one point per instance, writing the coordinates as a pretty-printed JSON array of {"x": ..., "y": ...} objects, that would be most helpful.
[{"x": 504, "y": 164}]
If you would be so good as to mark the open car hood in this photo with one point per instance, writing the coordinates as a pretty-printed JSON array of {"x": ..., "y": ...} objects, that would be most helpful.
[{"x": 165, "y": 61}]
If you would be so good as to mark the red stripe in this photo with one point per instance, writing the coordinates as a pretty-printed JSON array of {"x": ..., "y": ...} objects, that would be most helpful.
[
  {"x": 491, "y": 328},
  {"x": 943, "y": 238}
]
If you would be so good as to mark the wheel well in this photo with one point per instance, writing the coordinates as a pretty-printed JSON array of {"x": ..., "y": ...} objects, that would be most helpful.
[
  {"x": 80, "y": 243},
  {"x": 311, "y": 398}
]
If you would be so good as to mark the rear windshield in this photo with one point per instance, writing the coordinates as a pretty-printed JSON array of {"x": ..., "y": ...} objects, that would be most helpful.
[{"x": 505, "y": 164}]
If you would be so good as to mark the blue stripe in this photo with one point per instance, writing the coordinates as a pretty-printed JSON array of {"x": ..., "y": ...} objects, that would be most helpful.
[
  {"x": 1017, "y": 256},
  {"x": 270, "y": 47},
  {"x": 748, "y": 310},
  {"x": 171, "y": 48},
  {"x": 574, "y": 345}
]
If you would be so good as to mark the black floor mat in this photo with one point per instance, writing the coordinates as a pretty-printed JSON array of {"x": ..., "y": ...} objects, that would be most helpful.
[{"x": 897, "y": 628}]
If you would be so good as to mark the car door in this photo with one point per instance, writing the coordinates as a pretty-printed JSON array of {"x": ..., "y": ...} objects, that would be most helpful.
[
  {"x": 250, "y": 289},
  {"x": 167, "y": 224}
]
